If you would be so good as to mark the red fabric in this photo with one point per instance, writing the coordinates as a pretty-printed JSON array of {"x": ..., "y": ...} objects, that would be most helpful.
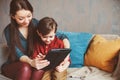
[
  {"x": 40, "y": 47},
  {"x": 21, "y": 71}
]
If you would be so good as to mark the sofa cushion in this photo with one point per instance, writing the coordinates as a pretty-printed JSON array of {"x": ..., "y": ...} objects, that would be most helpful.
[
  {"x": 79, "y": 43},
  {"x": 102, "y": 53},
  {"x": 88, "y": 73}
]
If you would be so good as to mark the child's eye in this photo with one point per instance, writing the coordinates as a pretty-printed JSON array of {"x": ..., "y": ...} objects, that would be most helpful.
[
  {"x": 48, "y": 36},
  {"x": 51, "y": 36},
  {"x": 44, "y": 37}
]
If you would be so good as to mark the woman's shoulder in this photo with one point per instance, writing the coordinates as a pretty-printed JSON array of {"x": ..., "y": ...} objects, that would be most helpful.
[
  {"x": 7, "y": 28},
  {"x": 35, "y": 21}
]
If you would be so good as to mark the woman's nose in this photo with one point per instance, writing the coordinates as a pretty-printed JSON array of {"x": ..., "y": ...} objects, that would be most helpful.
[{"x": 26, "y": 20}]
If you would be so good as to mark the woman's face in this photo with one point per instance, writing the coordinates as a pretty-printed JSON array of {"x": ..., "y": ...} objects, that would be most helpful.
[
  {"x": 47, "y": 39},
  {"x": 23, "y": 17}
]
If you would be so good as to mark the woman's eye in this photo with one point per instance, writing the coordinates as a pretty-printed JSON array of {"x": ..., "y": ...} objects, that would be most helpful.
[
  {"x": 20, "y": 18},
  {"x": 29, "y": 16}
]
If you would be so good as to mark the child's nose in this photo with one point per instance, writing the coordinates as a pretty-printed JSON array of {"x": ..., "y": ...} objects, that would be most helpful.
[{"x": 48, "y": 39}]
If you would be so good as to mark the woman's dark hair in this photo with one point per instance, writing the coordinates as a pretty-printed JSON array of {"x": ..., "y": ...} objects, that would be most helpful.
[
  {"x": 16, "y": 5},
  {"x": 46, "y": 24}
]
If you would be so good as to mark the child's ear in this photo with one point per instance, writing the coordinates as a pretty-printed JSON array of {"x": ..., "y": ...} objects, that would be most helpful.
[{"x": 39, "y": 33}]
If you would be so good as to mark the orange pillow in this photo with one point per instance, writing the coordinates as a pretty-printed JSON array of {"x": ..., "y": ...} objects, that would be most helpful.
[{"x": 102, "y": 53}]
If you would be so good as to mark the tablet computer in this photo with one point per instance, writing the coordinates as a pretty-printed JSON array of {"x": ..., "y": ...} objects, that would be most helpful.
[{"x": 56, "y": 56}]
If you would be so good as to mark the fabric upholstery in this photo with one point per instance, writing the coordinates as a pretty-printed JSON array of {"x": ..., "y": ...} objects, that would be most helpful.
[{"x": 79, "y": 43}]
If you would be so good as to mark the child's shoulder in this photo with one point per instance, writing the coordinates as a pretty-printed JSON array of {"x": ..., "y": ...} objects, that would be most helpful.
[
  {"x": 57, "y": 43},
  {"x": 57, "y": 40}
]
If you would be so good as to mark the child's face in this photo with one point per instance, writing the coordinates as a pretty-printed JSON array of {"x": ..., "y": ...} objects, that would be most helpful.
[{"x": 47, "y": 39}]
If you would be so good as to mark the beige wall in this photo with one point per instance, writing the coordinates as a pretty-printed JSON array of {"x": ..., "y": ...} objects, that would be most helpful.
[{"x": 94, "y": 16}]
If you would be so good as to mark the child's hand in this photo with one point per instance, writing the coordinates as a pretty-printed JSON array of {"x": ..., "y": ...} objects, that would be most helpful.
[{"x": 40, "y": 56}]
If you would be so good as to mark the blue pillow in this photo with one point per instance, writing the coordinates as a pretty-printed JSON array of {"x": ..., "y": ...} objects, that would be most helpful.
[{"x": 79, "y": 42}]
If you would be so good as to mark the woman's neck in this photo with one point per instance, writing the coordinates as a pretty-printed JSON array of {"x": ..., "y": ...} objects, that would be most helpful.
[{"x": 24, "y": 31}]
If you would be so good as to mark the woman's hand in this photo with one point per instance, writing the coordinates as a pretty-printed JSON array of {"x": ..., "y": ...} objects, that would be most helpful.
[
  {"x": 39, "y": 63},
  {"x": 63, "y": 65}
]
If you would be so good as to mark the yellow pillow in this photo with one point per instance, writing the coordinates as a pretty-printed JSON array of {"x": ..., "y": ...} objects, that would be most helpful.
[{"x": 102, "y": 53}]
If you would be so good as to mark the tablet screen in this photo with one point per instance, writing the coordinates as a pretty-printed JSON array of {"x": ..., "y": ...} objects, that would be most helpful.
[{"x": 56, "y": 56}]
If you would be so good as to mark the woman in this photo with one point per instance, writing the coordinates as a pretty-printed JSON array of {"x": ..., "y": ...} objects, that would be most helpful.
[{"x": 19, "y": 37}]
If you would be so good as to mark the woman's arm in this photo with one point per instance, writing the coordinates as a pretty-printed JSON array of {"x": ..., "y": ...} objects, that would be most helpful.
[
  {"x": 65, "y": 64},
  {"x": 36, "y": 63},
  {"x": 19, "y": 53},
  {"x": 66, "y": 43},
  {"x": 65, "y": 39}
]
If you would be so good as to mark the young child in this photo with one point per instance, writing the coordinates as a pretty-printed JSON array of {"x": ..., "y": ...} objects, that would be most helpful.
[{"x": 45, "y": 40}]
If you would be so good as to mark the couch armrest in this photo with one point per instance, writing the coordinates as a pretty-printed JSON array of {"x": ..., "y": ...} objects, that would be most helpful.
[
  {"x": 116, "y": 72},
  {"x": 110, "y": 36},
  {"x": 3, "y": 53}
]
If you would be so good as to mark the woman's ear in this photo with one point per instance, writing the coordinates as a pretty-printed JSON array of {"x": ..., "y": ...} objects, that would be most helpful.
[{"x": 12, "y": 16}]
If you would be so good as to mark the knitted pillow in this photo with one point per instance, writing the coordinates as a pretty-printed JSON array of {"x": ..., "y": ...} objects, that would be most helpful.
[{"x": 102, "y": 53}]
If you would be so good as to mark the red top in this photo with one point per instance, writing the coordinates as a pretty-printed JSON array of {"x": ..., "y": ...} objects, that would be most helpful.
[{"x": 41, "y": 47}]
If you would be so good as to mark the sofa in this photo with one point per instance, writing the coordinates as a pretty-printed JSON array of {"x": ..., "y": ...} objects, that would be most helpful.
[{"x": 87, "y": 56}]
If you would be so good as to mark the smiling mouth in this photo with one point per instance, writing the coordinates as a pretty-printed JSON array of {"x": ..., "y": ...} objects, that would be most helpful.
[{"x": 48, "y": 42}]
